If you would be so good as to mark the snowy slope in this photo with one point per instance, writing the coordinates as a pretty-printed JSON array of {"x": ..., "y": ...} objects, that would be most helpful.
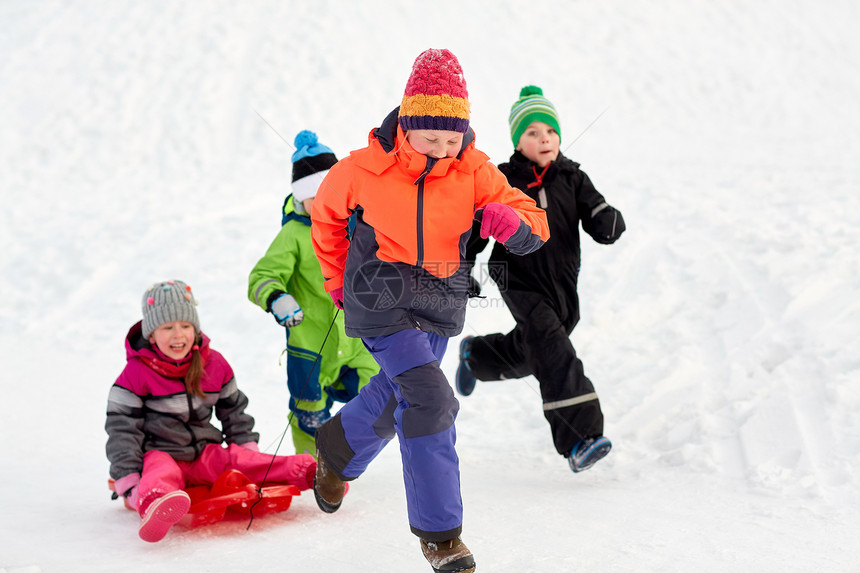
[{"x": 143, "y": 141}]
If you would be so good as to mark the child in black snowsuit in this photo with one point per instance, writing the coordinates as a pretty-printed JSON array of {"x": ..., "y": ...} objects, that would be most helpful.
[{"x": 540, "y": 288}]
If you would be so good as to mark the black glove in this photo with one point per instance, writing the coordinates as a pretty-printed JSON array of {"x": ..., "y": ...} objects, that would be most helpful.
[{"x": 606, "y": 225}]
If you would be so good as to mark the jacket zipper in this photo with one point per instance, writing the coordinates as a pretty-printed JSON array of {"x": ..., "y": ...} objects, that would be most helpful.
[
  {"x": 419, "y": 224},
  {"x": 413, "y": 320}
]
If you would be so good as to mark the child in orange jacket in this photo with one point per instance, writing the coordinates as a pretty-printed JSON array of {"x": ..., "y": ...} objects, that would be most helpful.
[{"x": 402, "y": 283}]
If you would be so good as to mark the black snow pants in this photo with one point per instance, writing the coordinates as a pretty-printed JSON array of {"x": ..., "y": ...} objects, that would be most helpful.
[{"x": 540, "y": 345}]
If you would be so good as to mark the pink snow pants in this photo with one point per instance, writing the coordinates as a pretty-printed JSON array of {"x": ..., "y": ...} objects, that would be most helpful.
[{"x": 162, "y": 474}]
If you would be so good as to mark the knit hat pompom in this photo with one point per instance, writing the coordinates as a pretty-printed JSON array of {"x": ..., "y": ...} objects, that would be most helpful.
[
  {"x": 435, "y": 95},
  {"x": 311, "y": 162},
  {"x": 531, "y": 106},
  {"x": 168, "y": 301},
  {"x": 530, "y": 91},
  {"x": 305, "y": 138}
]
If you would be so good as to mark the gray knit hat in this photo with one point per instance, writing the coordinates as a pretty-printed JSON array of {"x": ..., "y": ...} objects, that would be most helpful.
[{"x": 168, "y": 301}]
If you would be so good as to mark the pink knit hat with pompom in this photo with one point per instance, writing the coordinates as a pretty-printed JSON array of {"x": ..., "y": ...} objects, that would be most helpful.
[{"x": 435, "y": 96}]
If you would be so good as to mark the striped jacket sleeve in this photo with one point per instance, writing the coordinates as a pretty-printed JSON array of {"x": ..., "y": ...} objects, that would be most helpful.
[
  {"x": 124, "y": 426},
  {"x": 237, "y": 425}
]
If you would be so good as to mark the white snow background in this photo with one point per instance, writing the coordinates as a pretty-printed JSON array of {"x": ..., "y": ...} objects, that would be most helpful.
[{"x": 721, "y": 331}]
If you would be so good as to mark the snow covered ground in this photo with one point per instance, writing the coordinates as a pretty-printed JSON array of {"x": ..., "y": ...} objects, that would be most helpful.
[{"x": 721, "y": 331}]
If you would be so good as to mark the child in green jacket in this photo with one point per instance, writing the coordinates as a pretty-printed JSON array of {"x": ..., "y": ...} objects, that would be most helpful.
[{"x": 288, "y": 283}]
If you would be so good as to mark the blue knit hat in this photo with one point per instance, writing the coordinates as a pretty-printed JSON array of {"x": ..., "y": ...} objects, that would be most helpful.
[{"x": 311, "y": 162}]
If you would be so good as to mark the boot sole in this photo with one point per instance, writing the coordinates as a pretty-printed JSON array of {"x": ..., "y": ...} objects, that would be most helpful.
[
  {"x": 464, "y": 387},
  {"x": 471, "y": 569},
  {"x": 324, "y": 505},
  {"x": 596, "y": 453},
  {"x": 163, "y": 514}
]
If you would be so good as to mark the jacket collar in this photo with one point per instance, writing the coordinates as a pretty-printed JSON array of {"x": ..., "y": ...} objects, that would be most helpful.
[
  {"x": 388, "y": 146},
  {"x": 389, "y": 131},
  {"x": 138, "y": 347},
  {"x": 290, "y": 213},
  {"x": 561, "y": 162}
]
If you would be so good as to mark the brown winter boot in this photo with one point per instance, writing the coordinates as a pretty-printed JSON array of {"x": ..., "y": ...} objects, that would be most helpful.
[
  {"x": 328, "y": 488},
  {"x": 450, "y": 556}
]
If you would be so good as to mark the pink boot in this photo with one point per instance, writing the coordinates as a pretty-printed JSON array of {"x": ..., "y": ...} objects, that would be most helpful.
[{"x": 162, "y": 514}]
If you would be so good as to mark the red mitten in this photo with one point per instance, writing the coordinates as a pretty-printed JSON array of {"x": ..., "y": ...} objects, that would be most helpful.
[{"x": 499, "y": 221}]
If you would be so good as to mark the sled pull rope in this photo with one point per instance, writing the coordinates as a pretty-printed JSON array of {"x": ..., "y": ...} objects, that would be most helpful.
[
  {"x": 290, "y": 420},
  {"x": 587, "y": 127}
]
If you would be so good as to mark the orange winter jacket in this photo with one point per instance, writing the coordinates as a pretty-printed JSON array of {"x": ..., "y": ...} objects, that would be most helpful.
[{"x": 403, "y": 266}]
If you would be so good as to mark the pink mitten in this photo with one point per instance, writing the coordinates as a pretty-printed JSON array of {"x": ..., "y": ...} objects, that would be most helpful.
[
  {"x": 499, "y": 221},
  {"x": 126, "y": 487},
  {"x": 132, "y": 501},
  {"x": 337, "y": 297}
]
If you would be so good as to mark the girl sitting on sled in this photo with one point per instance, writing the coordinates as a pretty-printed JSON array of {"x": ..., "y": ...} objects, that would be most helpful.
[{"x": 160, "y": 438}]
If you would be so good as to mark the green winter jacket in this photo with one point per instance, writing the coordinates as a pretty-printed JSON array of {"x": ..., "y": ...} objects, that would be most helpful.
[{"x": 290, "y": 265}]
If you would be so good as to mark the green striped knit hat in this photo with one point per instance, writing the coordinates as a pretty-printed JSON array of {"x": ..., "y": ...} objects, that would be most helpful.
[{"x": 531, "y": 106}]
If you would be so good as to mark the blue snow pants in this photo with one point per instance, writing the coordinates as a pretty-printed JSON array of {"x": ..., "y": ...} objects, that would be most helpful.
[{"x": 409, "y": 398}]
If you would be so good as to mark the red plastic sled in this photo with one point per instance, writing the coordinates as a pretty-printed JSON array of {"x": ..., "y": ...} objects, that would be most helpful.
[{"x": 234, "y": 493}]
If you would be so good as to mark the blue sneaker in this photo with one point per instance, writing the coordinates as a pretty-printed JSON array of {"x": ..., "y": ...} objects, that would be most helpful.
[
  {"x": 465, "y": 381},
  {"x": 587, "y": 452}
]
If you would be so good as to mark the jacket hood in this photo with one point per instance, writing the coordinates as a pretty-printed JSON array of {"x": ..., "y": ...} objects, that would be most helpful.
[
  {"x": 290, "y": 213},
  {"x": 523, "y": 167},
  {"x": 387, "y": 146},
  {"x": 386, "y": 133},
  {"x": 520, "y": 161}
]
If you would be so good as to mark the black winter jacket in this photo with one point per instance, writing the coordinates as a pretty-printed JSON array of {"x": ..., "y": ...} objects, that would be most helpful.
[{"x": 569, "y": 197}]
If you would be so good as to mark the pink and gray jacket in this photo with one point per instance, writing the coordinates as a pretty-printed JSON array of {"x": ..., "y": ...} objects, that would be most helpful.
[{"x": 149, "y": 408}]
